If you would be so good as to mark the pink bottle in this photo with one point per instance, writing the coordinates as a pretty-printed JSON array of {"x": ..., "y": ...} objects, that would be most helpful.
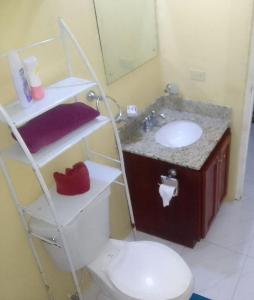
[{"x": 37, "y": 90}]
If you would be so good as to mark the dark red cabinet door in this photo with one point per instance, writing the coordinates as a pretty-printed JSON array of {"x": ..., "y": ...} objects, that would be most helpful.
[
  {"x": 210, "y": 173},
  {"x": 215, "y": 179},
  {"x": 180, "y": 221},
  {"x": 223, "y": 166}
]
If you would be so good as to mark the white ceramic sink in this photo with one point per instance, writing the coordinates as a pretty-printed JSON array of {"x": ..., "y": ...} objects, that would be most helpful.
[{"x": 178, "y": 134}]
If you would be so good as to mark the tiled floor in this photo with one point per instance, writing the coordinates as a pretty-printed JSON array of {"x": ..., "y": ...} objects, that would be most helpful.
[{"x": 223, "y": 263}]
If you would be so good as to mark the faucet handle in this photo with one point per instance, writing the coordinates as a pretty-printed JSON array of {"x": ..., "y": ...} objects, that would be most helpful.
[
  {"x": 147, "y": 120},
  {"x": 163, "y": 116},
  {"x": 146, "y": 123},
  {"x": 153, "y": 113}
]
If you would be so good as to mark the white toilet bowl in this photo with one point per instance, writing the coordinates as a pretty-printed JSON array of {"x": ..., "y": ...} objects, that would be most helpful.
[{"x": 141, "y": 271}]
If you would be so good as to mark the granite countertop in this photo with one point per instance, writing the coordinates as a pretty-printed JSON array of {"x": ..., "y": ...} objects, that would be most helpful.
[{"x": 213, "y": 119}]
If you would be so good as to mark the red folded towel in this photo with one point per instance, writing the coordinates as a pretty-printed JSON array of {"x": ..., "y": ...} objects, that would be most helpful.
[{"x": 75, "y": 181}]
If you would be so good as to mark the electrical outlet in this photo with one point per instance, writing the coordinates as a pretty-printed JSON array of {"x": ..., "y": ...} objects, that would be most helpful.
[{"x": 197, "y": 75}]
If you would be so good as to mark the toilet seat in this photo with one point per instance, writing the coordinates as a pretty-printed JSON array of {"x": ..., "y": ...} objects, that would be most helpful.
[{"x": 149, "y": 271}]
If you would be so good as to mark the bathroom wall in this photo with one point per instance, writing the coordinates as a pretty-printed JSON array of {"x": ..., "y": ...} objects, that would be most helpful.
[
  {"x": 21, "y": 23},
  {"x": 208, "y": 35},
  {"x": 211, "y": 36}
]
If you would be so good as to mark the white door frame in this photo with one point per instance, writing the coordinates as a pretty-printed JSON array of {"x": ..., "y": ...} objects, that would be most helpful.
[{"x": 246, "y": 123}]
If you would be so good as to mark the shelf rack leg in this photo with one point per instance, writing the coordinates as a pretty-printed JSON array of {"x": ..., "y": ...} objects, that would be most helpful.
[
  {"x": 65, "y": 33},
  {"x": 46, "y": 192},
  {"x": 24, "y": 223},
  {"x": 63, "y": 26},
  {"x": 60, "y": 229}
]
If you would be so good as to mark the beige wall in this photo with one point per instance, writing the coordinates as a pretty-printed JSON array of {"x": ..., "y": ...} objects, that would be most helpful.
[
  {"x": 212, "y": 36},
  {"x": 21, "y": 23},
  {"x": 209, "y": 35}
]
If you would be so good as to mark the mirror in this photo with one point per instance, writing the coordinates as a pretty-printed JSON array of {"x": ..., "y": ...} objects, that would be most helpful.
[{"x": 128, "y": 34}]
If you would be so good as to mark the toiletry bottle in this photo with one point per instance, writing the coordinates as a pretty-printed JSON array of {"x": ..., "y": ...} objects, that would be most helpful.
[
  {"x": 37, "y": 89},
  {"x": 19, "y": 79}
]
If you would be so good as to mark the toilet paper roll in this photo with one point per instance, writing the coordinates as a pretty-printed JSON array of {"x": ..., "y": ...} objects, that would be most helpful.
[{"x": 166, "y": 193}]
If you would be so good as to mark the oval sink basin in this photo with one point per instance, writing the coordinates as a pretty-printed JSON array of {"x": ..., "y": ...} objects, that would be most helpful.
[{"x": 178, "y": 134}]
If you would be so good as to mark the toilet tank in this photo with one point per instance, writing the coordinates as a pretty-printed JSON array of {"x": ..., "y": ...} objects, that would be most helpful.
[{"x": 86, "y": 235}]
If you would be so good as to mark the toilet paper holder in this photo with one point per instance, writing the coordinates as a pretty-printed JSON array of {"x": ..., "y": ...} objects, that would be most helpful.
[{"x": 171, "y": 180}]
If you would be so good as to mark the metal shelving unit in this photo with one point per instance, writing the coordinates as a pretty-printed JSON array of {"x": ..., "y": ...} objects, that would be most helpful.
[{"x": 51, "y": 207}]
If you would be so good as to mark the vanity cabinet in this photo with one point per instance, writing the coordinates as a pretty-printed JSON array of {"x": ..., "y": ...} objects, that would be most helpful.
[{"x": 188, "y": 217}]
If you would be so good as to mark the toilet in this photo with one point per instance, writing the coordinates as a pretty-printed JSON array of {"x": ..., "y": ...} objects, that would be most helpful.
[{"x": 123, "y": 270}]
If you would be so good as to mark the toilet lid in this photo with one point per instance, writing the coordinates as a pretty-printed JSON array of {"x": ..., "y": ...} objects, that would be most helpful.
[{"x": 149, "y": 271}]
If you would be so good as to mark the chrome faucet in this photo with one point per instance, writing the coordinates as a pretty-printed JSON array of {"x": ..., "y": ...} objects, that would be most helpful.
[{"x": 151, "y": 120}]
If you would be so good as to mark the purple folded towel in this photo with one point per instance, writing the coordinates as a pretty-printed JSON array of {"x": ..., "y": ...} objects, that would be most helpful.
[{"x": 55, "y": 124}]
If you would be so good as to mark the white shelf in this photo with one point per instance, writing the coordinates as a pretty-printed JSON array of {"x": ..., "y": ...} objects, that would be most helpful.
[
  {"x": 54, "y": 95},
  {"x": 68, "y": 207},
  {"x": 46, "y": 154}
]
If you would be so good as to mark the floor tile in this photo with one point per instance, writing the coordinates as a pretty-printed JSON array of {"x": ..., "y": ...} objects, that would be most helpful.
[
  {"x": 216, "y": 270},
  {"x": 92, "y": 293},
  {"x": 223, "y": 290},
  {"x": 249, "y": 186},
  {"x": 247, "y": 203},
  {"x": 232, "y": 228},
  {"x": 245, "y": 287},
  {"x": 250, "y": 251}
]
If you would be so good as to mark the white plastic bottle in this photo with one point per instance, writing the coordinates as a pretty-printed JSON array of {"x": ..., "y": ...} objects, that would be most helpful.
[
  {"x": 37, "y": 90},
  {"x": 19, "y": 79}
]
